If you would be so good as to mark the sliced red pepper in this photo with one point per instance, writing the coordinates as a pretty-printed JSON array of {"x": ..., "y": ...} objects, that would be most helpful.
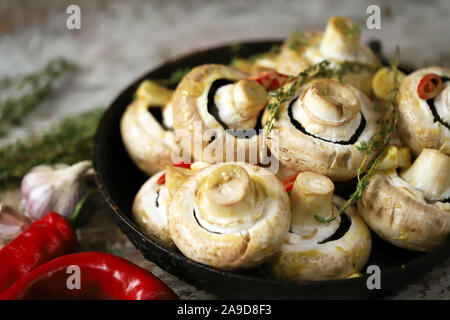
[
  {"x": 162, "y": 179},
  {"x": 270, "y": 80},
  {"x": 182, "y": 165},
  {"x": 102, "y": 276},
  {"x": 289, "y": 186},
  {"x": 44, "y": 240},
  {"x": 288, "y": 182},
  {"x": 429, "y": 86}
]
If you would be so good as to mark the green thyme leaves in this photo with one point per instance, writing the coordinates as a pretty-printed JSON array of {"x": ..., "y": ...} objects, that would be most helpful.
[
  {"x": 68, "y": 142},
  {"x": 27, "y": 92}
]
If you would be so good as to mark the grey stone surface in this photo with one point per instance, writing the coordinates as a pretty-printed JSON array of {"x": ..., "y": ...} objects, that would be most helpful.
[{"x": 121, "y": 40}]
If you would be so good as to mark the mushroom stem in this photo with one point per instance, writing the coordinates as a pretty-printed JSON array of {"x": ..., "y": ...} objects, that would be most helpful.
[
  {"x": 153, "y": 94},
  {"x": 341, "y": 36},
  {"x": 239, "y": 104},
  {"x": 430, "y": 173},
  {"x": 227, "y": 195},
  {"x": 311, "y": 195},
  {"x": 249, "y": 98},
  {"x": 331, "y": 103}
]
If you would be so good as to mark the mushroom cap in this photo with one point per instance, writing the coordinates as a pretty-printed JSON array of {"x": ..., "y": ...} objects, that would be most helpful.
[
  {"x": 190, "y": 115},
  {"x": 147, "y": 142},
  {"x": 150, "y": 210},
  {"x": 399, "y": 214},
  {"x": 238, "y": 233},
  {"x": 417, "y": 127},
  {"x": 337, "y": 259},
  {"x": 304, "y": 150}
]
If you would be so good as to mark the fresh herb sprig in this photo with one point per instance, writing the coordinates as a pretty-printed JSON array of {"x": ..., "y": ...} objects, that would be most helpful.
[
  {"x": 297, "y": 40},
  {"x": 380, "y": 140},
  {"x": 323, "y": 69},
  {"x": 69, "y": 142},
  {"x": 27, "y": 92},
  {"x": 353, "y": 32}
]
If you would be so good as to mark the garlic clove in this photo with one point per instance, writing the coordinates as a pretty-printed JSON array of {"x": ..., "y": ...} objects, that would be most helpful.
[
  {"x": 12, "y": 223},
  {"x": 54, "y": 188}
]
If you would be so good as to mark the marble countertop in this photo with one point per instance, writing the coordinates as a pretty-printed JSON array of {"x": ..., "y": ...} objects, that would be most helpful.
[{"x": 119, "y": 41}]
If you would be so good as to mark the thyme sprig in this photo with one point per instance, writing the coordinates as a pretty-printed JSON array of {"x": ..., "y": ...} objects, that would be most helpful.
[
  {"x": 380, "y": 140},
  {"x": 69, "y": 142},
  {"x": 27, "y": 92},
  {"x": 323, "y": 69},
  {"x": 298, "y": 39},
  {"x": 353, "y": 32}
]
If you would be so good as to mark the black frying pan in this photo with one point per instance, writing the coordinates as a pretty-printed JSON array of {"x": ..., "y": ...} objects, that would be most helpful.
[{"x": 119, "y": 180}]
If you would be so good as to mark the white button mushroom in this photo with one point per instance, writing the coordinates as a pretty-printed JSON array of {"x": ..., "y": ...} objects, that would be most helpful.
[
  {"x": 229, "y": 216},
  {"x": 409, "y": 211},
  {"x": 148, "y": 143},
  {"x": 214, "y": 100},
  {"x": 424, "y": 123},
  {"x": 321, "y": 127},
  {"x": 306, "y": 253}
]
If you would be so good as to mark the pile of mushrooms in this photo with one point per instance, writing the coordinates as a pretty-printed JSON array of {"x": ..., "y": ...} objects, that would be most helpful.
[
  {"x": 340, "y": 41},
  {"x": 226, "y": 211}
]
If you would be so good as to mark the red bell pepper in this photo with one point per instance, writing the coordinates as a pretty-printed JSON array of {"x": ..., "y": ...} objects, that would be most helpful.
[
  {"x": 429, "y": 86},
  {"x": 270, "y": 80},
  {"x": 44, "y": 240},
  {"x": 102, "y": 276}
]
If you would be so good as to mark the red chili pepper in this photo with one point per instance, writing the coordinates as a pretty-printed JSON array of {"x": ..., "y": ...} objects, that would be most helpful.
[
  {"x": 288, "y": 182},
  {"x": 429, "y": 86},
  {"x": 102, "y": 276},
  {"x": 271, "y": 80},
  {"x": 44, "y": 240}
]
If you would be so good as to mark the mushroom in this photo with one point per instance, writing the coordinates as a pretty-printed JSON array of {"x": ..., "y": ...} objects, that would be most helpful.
[
  {"x": 215, "y": 113},
  {"x": 230, "y": 216},
  {"x": 314, "y": 250},
  {"x": 320, "y": 128},
  {"x": 412, "y": 210},
  {"x": 425, "y": 123},
  {"x": 152, "y": 202},
  {"x": 149, "y": 142},
  {"x": 150, "y": 210},
  {"x": 340, "y": 41}
]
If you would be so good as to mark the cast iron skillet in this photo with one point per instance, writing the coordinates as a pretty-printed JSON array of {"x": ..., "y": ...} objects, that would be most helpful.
[{"x": 119, "y": 180}]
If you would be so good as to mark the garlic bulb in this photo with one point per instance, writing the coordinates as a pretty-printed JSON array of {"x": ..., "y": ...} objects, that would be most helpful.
[
  {"x": 54, "y": 188},
  {"x": 12, "y": 223}
]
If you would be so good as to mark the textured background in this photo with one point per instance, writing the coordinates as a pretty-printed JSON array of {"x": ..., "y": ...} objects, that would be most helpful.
[{"x": 119, "y": 41}]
